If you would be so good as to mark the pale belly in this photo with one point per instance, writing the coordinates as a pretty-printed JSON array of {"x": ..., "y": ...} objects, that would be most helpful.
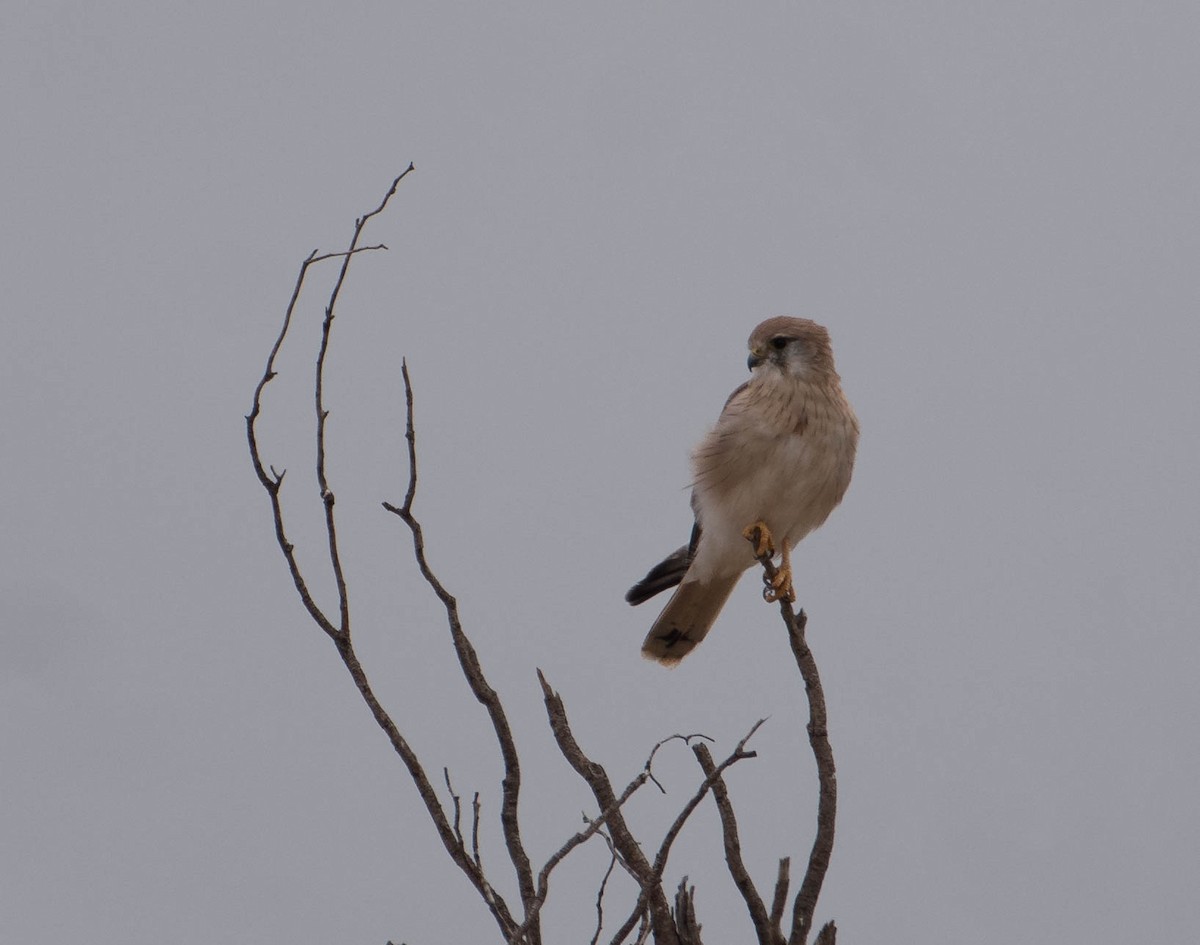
[{"x": 791, "y": 482}]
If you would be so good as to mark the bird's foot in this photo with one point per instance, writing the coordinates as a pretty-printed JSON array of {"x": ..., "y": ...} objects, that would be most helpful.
[
  {"x": 760, "y": 537},
  {"x": 779, "y": 587},
  {"x": 777, "y": 582}
]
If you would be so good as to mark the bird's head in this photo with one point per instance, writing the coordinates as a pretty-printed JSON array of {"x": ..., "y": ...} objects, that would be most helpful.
[{"x": 795, "y": 347}]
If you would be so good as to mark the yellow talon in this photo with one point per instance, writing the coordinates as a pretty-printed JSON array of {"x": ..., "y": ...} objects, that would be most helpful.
[
  {"x": 760, "y": 536},
  {"x": 779, "y": 587}
]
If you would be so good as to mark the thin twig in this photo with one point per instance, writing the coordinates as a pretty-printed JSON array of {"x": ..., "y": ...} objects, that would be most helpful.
[
  {"x": 593, "y": 827},
  {"x": 654, "y": 883},
  {"x": 335, "y": 558},
  {"x": 473, "y": 672},
  {"x": 543, "y": 880},
  {"x": 457, "y": 808},
  {"x": 686, "y": 739},
  {"x": 620, "y": 859},
  {"x": 475, "y": 807},
  {"x": 612, "y": 864},
  {"x": 273, "y": 481},
  {"x": 711, "y": 778}
]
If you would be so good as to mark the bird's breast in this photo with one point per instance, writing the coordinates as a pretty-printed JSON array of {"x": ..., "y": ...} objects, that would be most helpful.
[{"x": 783, "y": 456}]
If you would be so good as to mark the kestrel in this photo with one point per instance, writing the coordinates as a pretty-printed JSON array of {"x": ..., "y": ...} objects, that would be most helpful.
[{"x": 779, "y": 459}]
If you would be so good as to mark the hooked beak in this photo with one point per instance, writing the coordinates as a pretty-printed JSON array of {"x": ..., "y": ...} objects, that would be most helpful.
[{"x": 754, "y": 360}]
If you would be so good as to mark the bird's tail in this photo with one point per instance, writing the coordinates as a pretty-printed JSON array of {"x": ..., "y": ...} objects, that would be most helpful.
[{"x": 686, "y": 619}]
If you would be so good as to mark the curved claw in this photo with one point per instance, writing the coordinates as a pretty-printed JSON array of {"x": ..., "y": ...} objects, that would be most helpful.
[
  {"x": 760, "y": 537},
  {"x": 779, "y": 587}
]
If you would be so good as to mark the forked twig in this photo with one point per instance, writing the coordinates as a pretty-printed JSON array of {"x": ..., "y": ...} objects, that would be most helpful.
[
  {"x": 272, "y": 482},
  {"x": 733, "y": 853},
  {"x": 473, "y": 671},
  {"x": 652, "y": 884},
  {"x": 593, "y": 827},
  {"x": 622, "y": 838}
]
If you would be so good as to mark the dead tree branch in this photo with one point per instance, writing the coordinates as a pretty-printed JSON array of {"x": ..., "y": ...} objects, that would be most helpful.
[
  {"x": 622, "y": 838},
  {"x": 594, "y": 827},
  {"x": 827, "y": 935},
  {"x": 818, "y": 738},
  {"x": 473, "y": 671},
  {"x": 612, "y": 864},
  {"x": 779, "y": 903},
  {"x": 652, "y": 899},
  {"x": 670, "y": 921},
  {"x": 684, "y": 913},
  {"x": 340, "y": 632},
  {"x": 767, "y": 935}
]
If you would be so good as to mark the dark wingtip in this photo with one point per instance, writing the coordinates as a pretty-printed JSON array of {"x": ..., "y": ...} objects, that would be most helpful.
[
  {"x": 642, "y": 591},
  {"x": 666, "y": 574}
]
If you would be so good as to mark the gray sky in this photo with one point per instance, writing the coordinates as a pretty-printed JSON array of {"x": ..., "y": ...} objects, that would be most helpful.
[{"x": 993, "y": 208}]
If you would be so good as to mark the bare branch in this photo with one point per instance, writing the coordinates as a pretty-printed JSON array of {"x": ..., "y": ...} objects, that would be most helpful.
[
  {"x": 827, "y": 935},
  {"x": 686, "y": 739},
  {"x": 685, "y": 914},
  {"x": 594, "y": 827},
  {"x": 711, "y": 778},
  {"x": 360, "y": 249},
  {"x": 450, "y": 834},
  {"x": 543, "y": 887},
  {"x": 670, "y": 923},
  {"x": 664, "y": 850},
  {"x": 779, "y": 903},
  {"x": 818, "y": 739},
  {"x": 640, "y": 913},
  {"x": 273, "y": 482},
  {"x": 475, "y": 807},
  {"x": 335, "y": 558},
  {"x": 452, "y": 842},
  {"x": 617, "y": 853},
  {"x": 457, "y": 808},
  {"x": 767, "y": 934},
  {"x": 643, "y": 929},
  {"x": 612, "y": 864},
  {"x": 473, "y": 671},
  {"x": 597, "y": 779}
]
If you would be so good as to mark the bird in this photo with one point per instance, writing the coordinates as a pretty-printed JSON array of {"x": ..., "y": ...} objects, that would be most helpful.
[{"x": 774, "y": 466}]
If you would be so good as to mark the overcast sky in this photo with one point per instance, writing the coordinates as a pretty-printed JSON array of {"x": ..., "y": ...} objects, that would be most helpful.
[{"x": 993, "y": 207}]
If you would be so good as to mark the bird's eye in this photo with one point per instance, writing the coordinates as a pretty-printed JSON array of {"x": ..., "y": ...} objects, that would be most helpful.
[{"x": 779, "y": 342}]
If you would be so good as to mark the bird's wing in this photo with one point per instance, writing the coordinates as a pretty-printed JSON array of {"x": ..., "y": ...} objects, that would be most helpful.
[{"x": 667, "y": 573}]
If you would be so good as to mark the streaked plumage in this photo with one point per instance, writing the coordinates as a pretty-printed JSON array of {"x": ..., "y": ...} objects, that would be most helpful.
[{"x": 781, "y": 453}]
